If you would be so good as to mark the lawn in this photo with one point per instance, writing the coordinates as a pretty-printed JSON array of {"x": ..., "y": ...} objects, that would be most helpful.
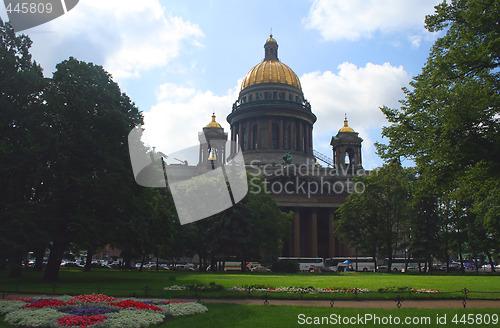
[
  {"x": 251, "y": 316},
  {"x": 127, "y": 283}
]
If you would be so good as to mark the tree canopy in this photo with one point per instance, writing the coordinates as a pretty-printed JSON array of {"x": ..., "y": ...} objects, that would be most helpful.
[{"x": 449, "y": 120}]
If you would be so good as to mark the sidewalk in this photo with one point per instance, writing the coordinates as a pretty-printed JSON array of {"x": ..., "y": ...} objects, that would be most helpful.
[
  {"x": 421, "y": 304},
  {"x": 380, "y": 304}
]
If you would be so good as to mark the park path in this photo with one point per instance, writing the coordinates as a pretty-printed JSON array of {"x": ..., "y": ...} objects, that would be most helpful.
[
  {"x": 381, "y": 304},
  {"x": 377, "y": 304}
]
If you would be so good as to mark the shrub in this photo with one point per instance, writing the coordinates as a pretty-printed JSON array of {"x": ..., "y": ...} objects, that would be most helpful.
[
  {"x": 33, "y": 317},
  {"x": 182, "y": 309},
  {"x": 134, "y": 318},
  {"x": 204, "y": 287},
  {"x": 9, "y": 306}
]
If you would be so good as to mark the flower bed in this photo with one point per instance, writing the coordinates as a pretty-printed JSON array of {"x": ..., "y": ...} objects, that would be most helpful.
[
  {"x": 313, "y": 290},
  {"x": 95, "y": 310},
  {"x": 300, "y": 290}
]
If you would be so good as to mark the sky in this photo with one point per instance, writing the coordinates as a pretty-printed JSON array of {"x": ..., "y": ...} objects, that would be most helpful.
[{"x": 179, "y": 61}]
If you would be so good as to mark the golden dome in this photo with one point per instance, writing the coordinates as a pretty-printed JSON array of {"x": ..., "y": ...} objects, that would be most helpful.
[
  {"x": 213, "y": 124},
  {"x": 271, "y": 70},
  {"x": 346, "y": 128},
  {"x": 271, "y": 39}
]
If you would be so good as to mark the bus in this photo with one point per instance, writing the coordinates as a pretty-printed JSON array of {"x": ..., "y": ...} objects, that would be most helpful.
[
  {"x": 233, "y": 265},
  {"x": 340, "y": 264},
  {"x": 309, "y": 264},
  {"x": 401, "y": 264}
]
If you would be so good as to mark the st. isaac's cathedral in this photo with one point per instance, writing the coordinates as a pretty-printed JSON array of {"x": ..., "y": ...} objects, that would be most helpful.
[{"x": 272, "y": 124}]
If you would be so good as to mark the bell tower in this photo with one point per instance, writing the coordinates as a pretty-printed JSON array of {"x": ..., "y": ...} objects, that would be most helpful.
[
  {"x": 347, "y": 147},
  {"x": 212, "y": 144}
]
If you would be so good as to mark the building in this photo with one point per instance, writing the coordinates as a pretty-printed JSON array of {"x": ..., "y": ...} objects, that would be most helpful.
[{"x": 272, "y": 124}]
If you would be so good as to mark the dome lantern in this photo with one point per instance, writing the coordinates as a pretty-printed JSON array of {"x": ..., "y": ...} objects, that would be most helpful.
[{"x": 271, "y": 49}]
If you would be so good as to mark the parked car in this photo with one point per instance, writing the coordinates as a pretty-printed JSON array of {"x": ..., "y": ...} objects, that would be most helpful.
[
  {"x": 412, "y": 268},
  {"x": 71, "y": 265},
  {"x": 185, "y": 267},
  {"x": 98, "y": 265},
  {"x": 260, "y": 268}
]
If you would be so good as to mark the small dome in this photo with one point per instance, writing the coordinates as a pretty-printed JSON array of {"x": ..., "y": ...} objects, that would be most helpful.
[
  {"x": 213, "y": 124},
  {"x": 271, "y": 39},
  {"x": 346, "y": 127}
]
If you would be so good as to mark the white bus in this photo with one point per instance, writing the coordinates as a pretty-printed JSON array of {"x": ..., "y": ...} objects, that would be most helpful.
[
  {"x": 236, "y": 265},
  {"x": 401, "y": 264},
  {"x": 341, "y": 264},
  {"x": 308, "y": 264}
]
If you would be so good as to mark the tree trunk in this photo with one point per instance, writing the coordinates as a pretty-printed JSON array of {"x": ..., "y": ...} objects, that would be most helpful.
[
  {"x": 15, "y": 264},
  {"x": 126, "y": 260},
  {"x": 475, "y": 262},
  {"x": 39, "y": 254},
  {"x": 491, "y": 261},
  {"x": 3, "y": 263},
  {"x": 142, "y": 263},
  {"x": 88, "y": 261},
  {"x": 374, "y": 263},
  {"x": 461, "y": 258},
  {"x": 389, "y": 256},
  {"x": 447, "y": 262},
  {"x": 213, "y": 263},
  {"x": 54, "y": 262}
]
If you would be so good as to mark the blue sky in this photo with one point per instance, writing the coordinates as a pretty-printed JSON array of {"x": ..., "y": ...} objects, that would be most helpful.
[{"x": 181, "y": 60}]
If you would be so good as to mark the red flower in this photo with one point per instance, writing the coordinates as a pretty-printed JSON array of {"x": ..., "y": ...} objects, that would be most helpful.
[
  {"x": 93, "y": 298},
  {"x": 81, "y": 321},
  {"x": 45, "y": 303},
  {"x": 173, "y": 301},
  {"x": 136, "y": 305}
]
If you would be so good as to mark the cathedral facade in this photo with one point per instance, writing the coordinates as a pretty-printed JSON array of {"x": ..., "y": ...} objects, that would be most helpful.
[{"x": 272, "y": 125}]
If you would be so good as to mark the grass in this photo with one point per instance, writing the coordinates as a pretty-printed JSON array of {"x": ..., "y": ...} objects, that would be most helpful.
[
  {"x": 251, "y": 316},
  {"x": 128, "y": 283}
]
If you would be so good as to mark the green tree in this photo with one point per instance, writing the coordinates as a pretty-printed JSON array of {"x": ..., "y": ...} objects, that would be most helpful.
[
  {"x": 21, "y": 148},
  {"x": 449, "y": 120},
  {"x": 424, "y": 224},
  {"x": 91, "y": 180},
  {"x": 151, "y": 225},
  {"x": 380, "y": 213},
  {"x": 358, "y": 219}
]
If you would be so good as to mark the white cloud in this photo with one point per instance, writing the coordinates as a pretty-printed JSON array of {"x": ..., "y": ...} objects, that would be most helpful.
[
  {"x": 126, "y": 37},
  {"x": 415, "y": 40},
  {"x": 358, "y": 92},
  {"x": 356, "y": 19},
  {"x": 181, "y": 112}
]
